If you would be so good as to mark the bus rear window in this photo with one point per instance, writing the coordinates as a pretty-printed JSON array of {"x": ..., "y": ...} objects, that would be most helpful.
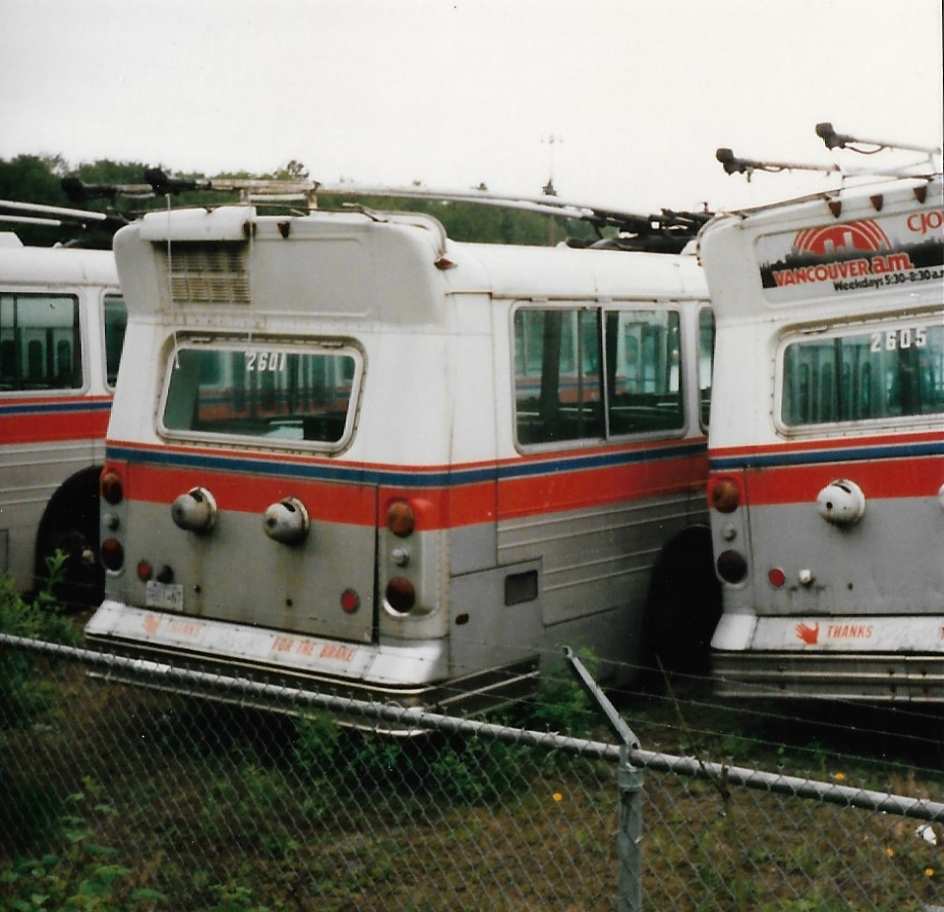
[
  {"x": 883, "y": 373},
  {"x": 270, "y": 393}
]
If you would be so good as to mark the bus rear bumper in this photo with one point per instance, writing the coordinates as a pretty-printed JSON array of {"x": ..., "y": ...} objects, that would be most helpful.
[
  {"x": 867, "y": 677},
  {"x": 407, "y": 674}
]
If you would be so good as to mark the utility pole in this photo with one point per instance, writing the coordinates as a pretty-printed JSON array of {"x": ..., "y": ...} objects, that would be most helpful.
[{"x": 548, "y": 189}]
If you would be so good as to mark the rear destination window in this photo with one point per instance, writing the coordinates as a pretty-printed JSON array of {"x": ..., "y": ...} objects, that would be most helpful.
[
  {"x": 272, "y": 393},
  {"x": 885, "y": 372}
]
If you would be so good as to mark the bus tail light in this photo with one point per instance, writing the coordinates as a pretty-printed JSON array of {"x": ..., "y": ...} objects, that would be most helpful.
[
  {"x": 350, "y": 601},
  {"x": 145, "y": 571},
  {"x": 400, "y": 594},
  {"x": 724, "y": 494},
  {"x": 776, "y": 577},
  {"x": 732, "y": 566},
  {"x": 113, "y": 554},
  {"x": 400, "y": 518},
  {"x": 111, "y": 487}
]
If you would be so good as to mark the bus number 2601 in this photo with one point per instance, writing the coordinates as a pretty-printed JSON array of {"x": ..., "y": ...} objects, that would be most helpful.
[{"x": 265, "y": 361}]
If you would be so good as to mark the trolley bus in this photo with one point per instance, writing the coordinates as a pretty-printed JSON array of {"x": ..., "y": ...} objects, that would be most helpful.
[
  {"x": 348, "y": 449},
  {"x": 827, "y": 462},
  {"x": 62, "y": 320}
]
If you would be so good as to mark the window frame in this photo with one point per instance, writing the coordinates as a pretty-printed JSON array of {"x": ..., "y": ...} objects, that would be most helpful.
[
  {"x": 837, "y": 330},
  {"x": 309, "y": 346},
  {"x": 699, "y": 311},
  {"x": 105, "y": 295},
  {"x": 602, "y": 307}
]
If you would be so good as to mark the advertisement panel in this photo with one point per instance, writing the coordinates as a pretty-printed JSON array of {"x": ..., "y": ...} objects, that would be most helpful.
[{"x": 840, "y": 258}]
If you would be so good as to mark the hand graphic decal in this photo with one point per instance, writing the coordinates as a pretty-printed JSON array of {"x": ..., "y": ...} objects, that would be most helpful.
[{"x": 809, "y": 635}]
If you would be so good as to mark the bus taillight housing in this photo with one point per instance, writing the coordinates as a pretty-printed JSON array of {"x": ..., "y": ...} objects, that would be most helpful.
[
  {"x": 724, "y": 493},
  {"x": 111, "y": 486}
]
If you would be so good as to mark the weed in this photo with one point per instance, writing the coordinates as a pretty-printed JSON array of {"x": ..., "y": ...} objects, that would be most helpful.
[
  {"x": 233, "y": 897},
  {"x": 84, "y": 877},
  {"x": 25, "y": 697},
  {"x": 562, "y": 705}
]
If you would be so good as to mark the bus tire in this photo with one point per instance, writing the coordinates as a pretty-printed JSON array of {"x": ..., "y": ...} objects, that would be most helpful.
[
  {"x": 684, "y": 604},
  {"x": 70, "y": 525}
]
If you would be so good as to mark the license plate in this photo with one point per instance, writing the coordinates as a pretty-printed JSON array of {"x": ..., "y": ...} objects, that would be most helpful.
[{"x": 168, "y": 596}]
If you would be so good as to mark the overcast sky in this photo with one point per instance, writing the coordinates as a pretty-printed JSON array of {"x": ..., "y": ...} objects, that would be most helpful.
[{"x": 638, "y": 94}]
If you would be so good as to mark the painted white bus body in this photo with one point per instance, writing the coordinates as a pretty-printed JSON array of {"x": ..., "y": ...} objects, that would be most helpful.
[
  {"x": 827, "y": 451},
  {"x": 55, "y": 398},
  {"x": 513, "y": 546}
]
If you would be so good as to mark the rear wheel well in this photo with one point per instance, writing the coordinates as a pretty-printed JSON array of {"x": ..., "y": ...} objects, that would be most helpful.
[
  {"x": 70, "y": 524},
  {"x": 684, "y": 603}
]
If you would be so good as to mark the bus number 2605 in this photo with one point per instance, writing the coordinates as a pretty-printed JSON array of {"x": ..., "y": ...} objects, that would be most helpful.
[{"x": 895, "y": 339}]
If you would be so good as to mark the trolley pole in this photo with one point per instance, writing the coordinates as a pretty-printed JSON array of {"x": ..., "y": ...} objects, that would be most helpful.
[{"x": 629, "y": 782}]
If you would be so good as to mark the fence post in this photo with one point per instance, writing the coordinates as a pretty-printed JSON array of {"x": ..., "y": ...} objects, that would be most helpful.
[
  {"x": 629, "y": 783},
  {"x": 629, "y": 834}
]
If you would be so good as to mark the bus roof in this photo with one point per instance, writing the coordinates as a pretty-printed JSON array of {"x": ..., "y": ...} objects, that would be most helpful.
[
  {"x": 366, "y": 264},
  {"x": 33, "y": 266},
  {"x": 520, "y": 272}
]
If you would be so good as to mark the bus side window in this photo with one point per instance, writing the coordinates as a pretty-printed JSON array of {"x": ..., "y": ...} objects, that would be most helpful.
[
  {"x": 644, "y": 390},
  {"x": 40, "y": 342},
  {"x": 558, "y": 392},
  {"x": 706, "y": 361},
  {"x": 115, "y": 322}
]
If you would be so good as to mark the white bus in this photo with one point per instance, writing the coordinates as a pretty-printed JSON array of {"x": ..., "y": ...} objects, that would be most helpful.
[
  {"x": 62, "y": 321},
  {"x": 347, "y": 448},
  {"x": 827, "y": 460}
]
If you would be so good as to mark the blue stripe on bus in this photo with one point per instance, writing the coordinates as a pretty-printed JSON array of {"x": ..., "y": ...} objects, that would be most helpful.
[
  {"x": 51, "y": 407},
  {"x": 415, "y": 478},
  {"x": 892, "y": 451}
]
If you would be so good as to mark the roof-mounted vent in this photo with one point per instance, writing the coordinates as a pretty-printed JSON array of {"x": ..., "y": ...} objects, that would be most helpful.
[{"x": 206, "y": 272}]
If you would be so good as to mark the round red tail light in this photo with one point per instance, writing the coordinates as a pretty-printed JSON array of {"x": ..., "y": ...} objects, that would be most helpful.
[
  {"x": 400, "y": 594},
  {"x": 400, "y": 518},
  {"x": 113, "y": 554},
  {"x": 777, "y": 577},
  {"x": 111, "y": 487},
  {"x": 145, "y": 571},
  {"x": 724, "y": 494},
  {"x": 350, "y": 601}
]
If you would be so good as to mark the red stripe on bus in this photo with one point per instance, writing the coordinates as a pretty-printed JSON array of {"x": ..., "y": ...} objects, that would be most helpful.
[
  {"x": 325, "y": 501},
  {"x": 436, "y": 508},
  {"x": 46, "y": 428},
  {"x": 920, "y": 477},
  {"x": 597, "y": 487}
]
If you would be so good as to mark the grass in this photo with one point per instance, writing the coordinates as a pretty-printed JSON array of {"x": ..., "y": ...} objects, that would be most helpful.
[{"x": 129, "y": 799}]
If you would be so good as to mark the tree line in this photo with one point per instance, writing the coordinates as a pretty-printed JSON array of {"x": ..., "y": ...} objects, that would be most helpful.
[{"x": 38, "y": 179}]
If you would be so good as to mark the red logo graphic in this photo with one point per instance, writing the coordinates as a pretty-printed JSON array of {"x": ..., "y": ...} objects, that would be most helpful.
[
  {"x": 151, "y": 624},
  {"x": 809, "y": 635},
  {"x": 827, "y": 240}
]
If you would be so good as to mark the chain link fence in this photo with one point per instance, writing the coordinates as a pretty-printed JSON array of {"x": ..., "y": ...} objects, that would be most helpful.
[{"x": 121, "y": 797}]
